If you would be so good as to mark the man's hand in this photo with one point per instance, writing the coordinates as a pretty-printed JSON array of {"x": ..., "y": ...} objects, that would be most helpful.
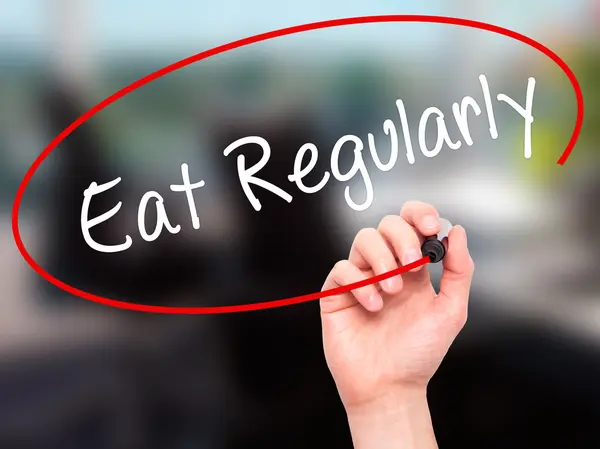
[{"x": 385, "y": 341}]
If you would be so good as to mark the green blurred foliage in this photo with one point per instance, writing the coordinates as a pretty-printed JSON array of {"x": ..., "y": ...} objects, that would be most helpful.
[
  {"x": 553, "y": 125},
  {"x": 587, "y": 70}
]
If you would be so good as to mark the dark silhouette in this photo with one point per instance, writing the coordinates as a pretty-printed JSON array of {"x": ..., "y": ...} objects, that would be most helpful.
[
  {"x": 288, "y": 249},
  {"x": 170, "y": 264}
]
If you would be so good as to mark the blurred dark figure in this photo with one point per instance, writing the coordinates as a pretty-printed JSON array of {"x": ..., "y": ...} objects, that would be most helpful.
[
  {"x": 530, "y": 388},
  {"x": 288, "y": 250},
  {"x": 169, "y": 387},
  {"x": 78, "y": 160},
  {"x": 170, "y": 263},
  {"x": 288, "y": 396}
]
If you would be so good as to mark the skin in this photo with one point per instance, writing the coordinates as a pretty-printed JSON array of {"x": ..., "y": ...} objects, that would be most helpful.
[{"x": 384, "y": 342}]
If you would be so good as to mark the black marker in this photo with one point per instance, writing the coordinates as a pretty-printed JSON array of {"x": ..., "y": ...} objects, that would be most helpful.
[{"x": 433, "y": 247}]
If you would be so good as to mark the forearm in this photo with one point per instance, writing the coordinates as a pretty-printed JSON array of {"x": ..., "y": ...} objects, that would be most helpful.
[{"x": 399, "y": 421}]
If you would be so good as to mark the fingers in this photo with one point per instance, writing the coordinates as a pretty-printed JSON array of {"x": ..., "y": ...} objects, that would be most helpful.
[
  {"x": 403, "y": 238},
  {"x": 422, "y": 216},
  {"x": 378, "y": 251},
  {"x": 371, "y": 251},
  {"x": 458, "y": 271},
  {"x": 397, "y": 238},
  {"x": 345, "y": 273}
]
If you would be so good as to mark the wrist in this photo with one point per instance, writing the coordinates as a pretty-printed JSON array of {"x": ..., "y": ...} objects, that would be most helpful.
[
  {"x": 390, "y": 403},
  {"x": 398, "y": 419}
]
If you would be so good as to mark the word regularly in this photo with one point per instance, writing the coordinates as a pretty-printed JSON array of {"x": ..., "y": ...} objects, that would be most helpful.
[{"x": 248, "y": 175}]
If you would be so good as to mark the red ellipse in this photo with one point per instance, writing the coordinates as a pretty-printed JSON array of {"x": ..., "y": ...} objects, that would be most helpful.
[{"x": 241, "y": 43}]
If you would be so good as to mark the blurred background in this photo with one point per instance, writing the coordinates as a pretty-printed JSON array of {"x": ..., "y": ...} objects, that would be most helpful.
[{"x": 74, "y": 374}]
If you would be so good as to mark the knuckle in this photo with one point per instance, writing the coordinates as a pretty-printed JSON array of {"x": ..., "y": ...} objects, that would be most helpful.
[
  {"x": 337, "y": 274},
  {"x": 410, "y": 203},
  {"x": 340, "y": 266},
  {"x": 467, "y": 268},
  {"x": 470, "y": 266},
  {"x": 463, "y": 319},
  {"x": 459, "y": 317},
  {"x": 364, "y": 235},
  {"x": 418, "y": 206},
  {"x": 388, "y": 222}
]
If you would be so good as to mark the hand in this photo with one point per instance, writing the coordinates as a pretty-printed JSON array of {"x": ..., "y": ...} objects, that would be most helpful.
[{"x": 383, "y": 341}]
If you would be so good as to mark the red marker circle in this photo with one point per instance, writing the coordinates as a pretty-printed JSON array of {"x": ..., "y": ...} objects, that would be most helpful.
[{"x": 242, "y": 43}]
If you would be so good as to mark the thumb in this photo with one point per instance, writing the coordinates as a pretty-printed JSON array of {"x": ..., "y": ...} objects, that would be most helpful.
[{"x": 456, "y": 278}]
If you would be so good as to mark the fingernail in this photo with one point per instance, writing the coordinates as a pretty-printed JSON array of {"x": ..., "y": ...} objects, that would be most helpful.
[
  {"x": 430, "y": 222},
  {"x": 391, "y": 284},
  {"x": 375, "y": 302}
]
